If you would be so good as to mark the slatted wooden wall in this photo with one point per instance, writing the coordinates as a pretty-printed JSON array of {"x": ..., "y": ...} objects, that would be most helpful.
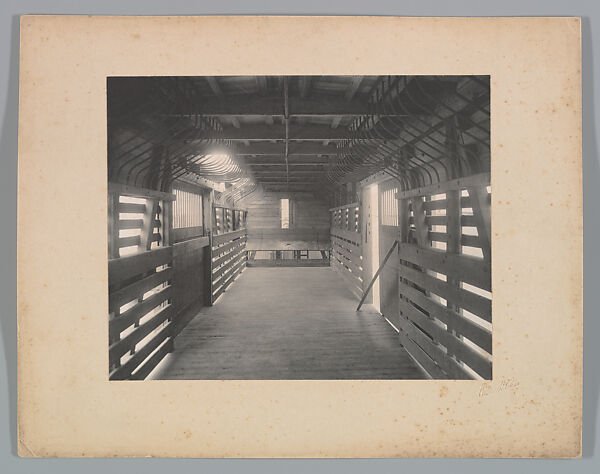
[
  {"x": 188, "y": 212},
  {"x": 135, "y": 220},
  {"x": 228, "y": 219},
  {"x": 444, "y": 278},
  {"x": 228, "y": 260},
  {"x": 346, "y": 246},
  {"x": 139, "y": 284}
]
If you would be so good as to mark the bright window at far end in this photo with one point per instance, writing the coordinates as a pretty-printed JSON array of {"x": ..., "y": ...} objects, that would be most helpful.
[{"x": 285, "y": 213}]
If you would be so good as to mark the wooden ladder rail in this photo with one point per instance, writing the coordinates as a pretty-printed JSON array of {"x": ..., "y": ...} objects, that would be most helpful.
[{"x": 388, "y": 255}]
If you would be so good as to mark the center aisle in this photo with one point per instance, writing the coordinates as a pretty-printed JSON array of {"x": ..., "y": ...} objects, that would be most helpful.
[{"x": 287, "y": 323}]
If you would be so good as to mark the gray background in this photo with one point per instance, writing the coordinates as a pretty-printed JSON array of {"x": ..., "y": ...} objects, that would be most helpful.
[{"x": 9, "y": 53}]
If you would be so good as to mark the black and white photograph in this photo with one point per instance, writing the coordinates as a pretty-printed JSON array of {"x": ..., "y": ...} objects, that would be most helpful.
[{"x": 299, "y": 227}]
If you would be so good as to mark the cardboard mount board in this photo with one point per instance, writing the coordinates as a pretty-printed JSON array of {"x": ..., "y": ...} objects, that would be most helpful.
[{"x": 531, "y": 408}]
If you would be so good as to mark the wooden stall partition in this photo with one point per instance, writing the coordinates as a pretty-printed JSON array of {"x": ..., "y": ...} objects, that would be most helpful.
[
  {"x": 228, "y": 260},
  {"x": 226, "y": 220},
  {"x": 444, "y": 277},
  {"x": 191, "y": 279},
  {"x": 138, "y": 219},
  {"x": 346, "y": 246},
  {"x": 140, "y": 274},
  {"x": 140, "y": 312}
]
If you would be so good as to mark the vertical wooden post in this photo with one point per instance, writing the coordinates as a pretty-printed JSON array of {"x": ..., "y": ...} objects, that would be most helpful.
[
  {"x": 403, "y": 233},
  {"x": 113, "y": 225},
  {"x": 421, "y": 228},
  {"x": 113, "y": 252},
  {"x": 403, "y": 221},
  {"x": 207, "y": 260},
  {"x": 481, "y": 213},
  {"x": 454, "y": 231},
  {"x": 148, "y": 224},
  {"x": 167, "y": 223}
]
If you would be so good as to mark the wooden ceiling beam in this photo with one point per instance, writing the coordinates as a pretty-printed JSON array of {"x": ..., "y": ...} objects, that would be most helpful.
[
  {"x": 262, "y": 84},
  {"x": 353, "y": 88},
  {"x": 306, "y": 132},
  {"x": 350, "y": 93},
  {"x": 213, "y": 83},
  {"x": 282, "y": 172},
  {"x": 268, "y": 165},
  {"x": 277, "y": 132},
  {"x": 284, "y": 182},
  {"x": 275, "y": 106},
  {"x": 302, "y": 148},
  {"x": 304, "y": 86}
]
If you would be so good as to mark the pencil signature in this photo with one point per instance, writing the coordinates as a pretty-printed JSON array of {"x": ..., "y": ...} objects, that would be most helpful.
[{"x": 487, "y": 388}]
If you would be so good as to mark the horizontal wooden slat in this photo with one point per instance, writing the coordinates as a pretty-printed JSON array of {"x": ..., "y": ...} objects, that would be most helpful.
[
  {"x": 152, "y": 362},
  {"x": 434, "y": 205},
  {"x": 218, "y": 282},
  {"x": 351, "y": 270},
  {"x": 351, "y": 246},
  {"x": 470, "y": 240},
  {"x": 124, "y": 372},
  {"x": 351, "y": 252},
  {"x": 465, "y": 268},
  {"x": 225, "y": 284},
  {"x": 433, "y": 350},
  {"x": 419, "y": 355},
  {"x": 479, "y": 335},
  {"x": 136, "y": 290},
  {"x": 224, "y": 251},
  {"x": 462, "y": 298},
  {"x": 345, "y": 206},
  {"x": 467, "y": 354},
  {"x": 132, "y": 208},
  {"x": 221, "y": 239},
  {"x": 239, "y": 268},
  {"x": 234, "y": 259},
  {"x": 355, "y": 237},
  {"x": 352, "y": 206},
  {"x": 223, "y": 258},
  {"x": 187, "y": 233},
  {"x": 438, "y": 236},
  {"x": 468, "y": 221},
  {"x": 135, "y": 313},
  {"x": 136, "y": 223},
  {"x": 134, "y": 240},
  {"x": 128, "y": 190},
  {"x": 465, "y": 202},
  {"x": 353, "y": 284},
  {"x": 436, "y": 220},
  {"x": 439, "y": 188},
  {"x": 131, "y": 224},
  {"x": 462, "y": 351},
  {"x": 124, "y": 268},
  {"x": 355, "y": 268},
  {"x": 119, "y": 348},
  {"x": 228, "y": 247}
]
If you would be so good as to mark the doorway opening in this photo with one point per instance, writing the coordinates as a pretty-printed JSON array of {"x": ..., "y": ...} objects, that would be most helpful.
[{"x": 374, "y": 227}]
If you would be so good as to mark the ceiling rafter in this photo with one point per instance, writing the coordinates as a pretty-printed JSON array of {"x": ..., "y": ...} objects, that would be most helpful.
[
  {"x": 349, "y": 95},
  {"x": 213, "y": 82},
  {"x": 273, "y": 105}
]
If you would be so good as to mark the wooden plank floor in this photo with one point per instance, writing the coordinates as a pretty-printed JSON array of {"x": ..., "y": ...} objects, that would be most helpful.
[{"x": 287, "y": 323}]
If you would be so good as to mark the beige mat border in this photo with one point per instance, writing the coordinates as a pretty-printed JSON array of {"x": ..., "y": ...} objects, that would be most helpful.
[{"x": 532, "y": 408}]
